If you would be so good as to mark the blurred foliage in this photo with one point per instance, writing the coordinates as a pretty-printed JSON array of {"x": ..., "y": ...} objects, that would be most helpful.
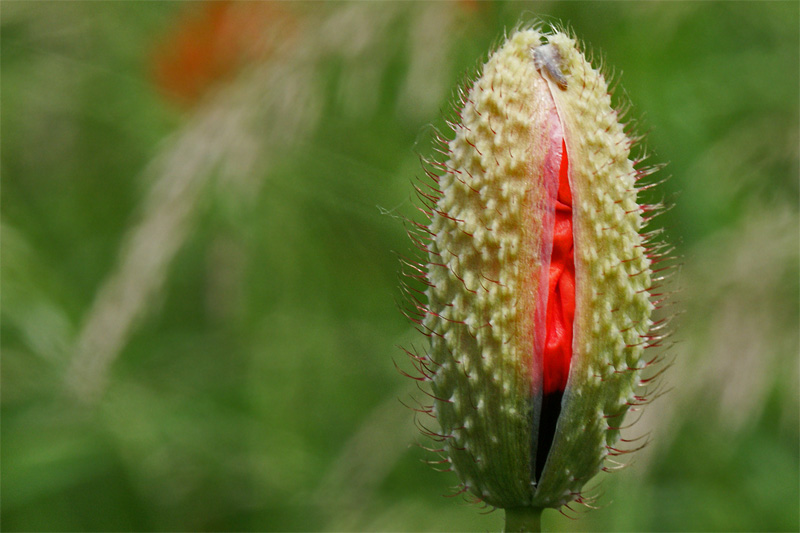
[{"x": 200, "y": 215}]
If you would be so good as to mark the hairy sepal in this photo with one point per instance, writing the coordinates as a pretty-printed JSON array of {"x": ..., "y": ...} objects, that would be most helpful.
[{"x": 488, "y": 246}]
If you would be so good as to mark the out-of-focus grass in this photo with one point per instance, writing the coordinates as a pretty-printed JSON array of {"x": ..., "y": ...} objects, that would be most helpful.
[{"x": 198, "y": 318}]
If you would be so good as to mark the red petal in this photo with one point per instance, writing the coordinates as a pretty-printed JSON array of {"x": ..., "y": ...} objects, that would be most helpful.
[{"x": 561, "y": 292}]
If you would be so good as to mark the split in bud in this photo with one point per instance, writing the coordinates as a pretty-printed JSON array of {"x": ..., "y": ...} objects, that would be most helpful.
[{"x": 538, "y": 278}]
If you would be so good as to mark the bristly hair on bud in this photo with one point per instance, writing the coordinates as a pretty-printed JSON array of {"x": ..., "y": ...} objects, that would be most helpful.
[{"x": 537, "y": 280}]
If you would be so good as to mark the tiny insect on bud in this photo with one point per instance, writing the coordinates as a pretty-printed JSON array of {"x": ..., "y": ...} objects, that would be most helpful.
[{"x": 538, "y": 279}]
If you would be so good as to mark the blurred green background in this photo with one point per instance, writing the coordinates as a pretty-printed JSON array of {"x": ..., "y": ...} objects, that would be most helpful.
[{"x": 200, "y": 216}]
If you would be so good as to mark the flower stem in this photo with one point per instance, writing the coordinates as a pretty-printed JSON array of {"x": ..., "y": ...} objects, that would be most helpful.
[{"x": 524, "y": 519}]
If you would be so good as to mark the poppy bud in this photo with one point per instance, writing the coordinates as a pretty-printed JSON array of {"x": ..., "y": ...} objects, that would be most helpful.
[{"x": 538, "y": 279}]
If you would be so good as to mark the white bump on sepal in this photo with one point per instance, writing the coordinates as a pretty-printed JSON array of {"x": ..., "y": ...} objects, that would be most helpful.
[{"x": 548, "y": 58}]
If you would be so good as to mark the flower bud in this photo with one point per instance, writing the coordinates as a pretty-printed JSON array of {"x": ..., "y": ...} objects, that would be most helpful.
[{"x": 538, "y": 278}]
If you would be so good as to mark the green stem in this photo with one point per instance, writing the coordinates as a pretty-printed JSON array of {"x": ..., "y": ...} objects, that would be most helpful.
[{"x": 524, "y": 519}]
